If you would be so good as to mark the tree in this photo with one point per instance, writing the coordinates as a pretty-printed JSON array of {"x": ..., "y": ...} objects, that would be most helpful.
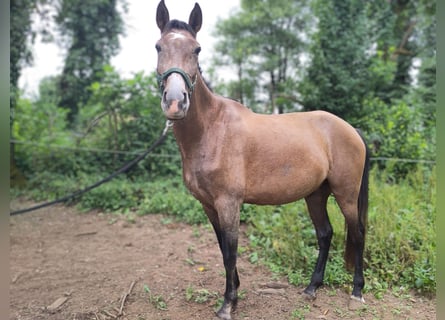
[
  {"x": 264, "y": 41},
  {"x": 90, "y": 31},
  {"x": 401, "y": 117},
  {"x": 337, "y": 77},
  {"x": 22, "y": 35},
  {"x": 20, "y": 55},
  {"x": 20, "y": 52}
]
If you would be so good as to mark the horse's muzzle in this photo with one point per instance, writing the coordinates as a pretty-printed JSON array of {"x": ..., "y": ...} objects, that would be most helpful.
[
  {"x": 175, "y": 109},
  {"x": 175, "y": 98}
]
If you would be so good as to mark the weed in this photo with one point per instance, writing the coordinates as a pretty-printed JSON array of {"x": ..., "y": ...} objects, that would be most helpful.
[
  {"x": 157, "y": 300},
  {"x": 190, "y": 249},
  {"x": 253, "y": 258},
  {"x": 130, "y": 218},
  {"x": 332, "y": 292},
  {"x": 189, "y": 292},
  {"x": 196, "y": 232},
  {"x": 242, "y": 294},
  {"x": 190, "y": 261},
  {"x": 199, "y": 296},
  {"x": 300, "y": 313},
  {"x": 166, "y": 220}
]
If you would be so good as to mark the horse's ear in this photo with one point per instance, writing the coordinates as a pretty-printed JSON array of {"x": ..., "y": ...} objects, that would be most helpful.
[
  {"x": 162, "y": 15},
  {"x": 195, "y": 19}
]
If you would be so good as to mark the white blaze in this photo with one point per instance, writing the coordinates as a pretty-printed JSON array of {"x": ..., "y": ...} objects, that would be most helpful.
[{"x": 175, "y": 35}]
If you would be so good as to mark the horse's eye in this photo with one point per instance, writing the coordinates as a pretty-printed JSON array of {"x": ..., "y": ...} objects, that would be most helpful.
[
  {"x": 158, "y": 48},
  {"x": 197, "y": 50}
]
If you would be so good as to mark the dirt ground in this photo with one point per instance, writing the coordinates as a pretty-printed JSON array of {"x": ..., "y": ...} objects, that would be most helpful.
[{"x": 70, "y": 265}]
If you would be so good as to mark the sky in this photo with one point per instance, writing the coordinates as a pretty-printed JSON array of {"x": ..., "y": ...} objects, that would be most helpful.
[{"x": 138, "y": 46}]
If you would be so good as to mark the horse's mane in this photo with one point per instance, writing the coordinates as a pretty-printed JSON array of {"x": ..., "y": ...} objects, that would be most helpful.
[
  {"x": 207, "y": 83},
  {"x": 180, "y": 25}
]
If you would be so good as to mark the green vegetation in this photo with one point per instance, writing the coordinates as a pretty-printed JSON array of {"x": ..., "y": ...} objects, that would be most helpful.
[
  {"x": 199, "y": 295},
  {"x": 156, "y": 300}
]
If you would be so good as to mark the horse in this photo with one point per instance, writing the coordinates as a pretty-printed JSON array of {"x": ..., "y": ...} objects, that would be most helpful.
[{"x": 232, "y": 155}]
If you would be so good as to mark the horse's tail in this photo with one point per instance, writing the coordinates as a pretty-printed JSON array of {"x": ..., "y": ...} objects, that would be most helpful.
[{"x": 362, "y": 212}]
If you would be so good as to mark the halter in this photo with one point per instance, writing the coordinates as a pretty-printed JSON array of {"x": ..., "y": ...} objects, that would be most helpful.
[{"x": 162, "y": 77}]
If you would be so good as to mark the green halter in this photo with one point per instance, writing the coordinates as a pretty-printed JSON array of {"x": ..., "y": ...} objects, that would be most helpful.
[{"x": 162, "y": 77}]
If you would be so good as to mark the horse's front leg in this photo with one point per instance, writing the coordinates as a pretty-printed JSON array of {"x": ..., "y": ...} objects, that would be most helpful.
[
  {"x": 225, "y": 221},
  {"x": 229, "y": 245}
]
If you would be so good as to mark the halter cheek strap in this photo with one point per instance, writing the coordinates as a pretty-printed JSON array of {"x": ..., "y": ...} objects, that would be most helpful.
[{"x": 162, "y": 77}]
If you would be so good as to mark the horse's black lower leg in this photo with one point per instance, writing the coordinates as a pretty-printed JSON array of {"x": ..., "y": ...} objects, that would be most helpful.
[
  {"x": 324, "y": 243},
  {"x": 228, "y": 242},
  {"x": 229, "y": 245},
  {"x": 316, "y": 204}
]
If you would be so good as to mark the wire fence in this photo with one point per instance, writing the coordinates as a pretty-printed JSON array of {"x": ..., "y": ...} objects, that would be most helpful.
[
  {"x": 92, "y": 150},
  {"x": 175, "y": 156}
]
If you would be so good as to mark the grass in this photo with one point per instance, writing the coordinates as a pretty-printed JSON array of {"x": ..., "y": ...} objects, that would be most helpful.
[{"x": 400, "y": 245}]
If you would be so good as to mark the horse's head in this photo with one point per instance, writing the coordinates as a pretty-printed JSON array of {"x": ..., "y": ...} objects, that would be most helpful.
[{"x": 177, "y": 60}]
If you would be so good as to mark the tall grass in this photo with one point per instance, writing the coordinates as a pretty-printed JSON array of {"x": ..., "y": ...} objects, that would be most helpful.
[{"x": 400, "y": 244}]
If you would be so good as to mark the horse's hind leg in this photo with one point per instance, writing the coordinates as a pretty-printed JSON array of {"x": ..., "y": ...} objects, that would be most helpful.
[
  {"x": 355, "y": 242},
  {"x": 316, "y": 204}
]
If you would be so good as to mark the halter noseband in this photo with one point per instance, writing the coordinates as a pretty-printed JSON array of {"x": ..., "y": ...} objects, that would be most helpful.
[{"x": 162, "y": 77}]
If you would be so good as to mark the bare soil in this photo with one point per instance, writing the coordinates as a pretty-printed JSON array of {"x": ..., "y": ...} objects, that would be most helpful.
[{"x": 70, "y": 265}]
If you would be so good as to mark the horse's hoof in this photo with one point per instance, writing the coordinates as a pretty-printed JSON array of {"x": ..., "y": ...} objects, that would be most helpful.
[
  {"x": 224, "y": 312},
  {"x": 223, "y": 316},
  {"x": 309, "y": 296},
  {"x": 356, "y": 303}
]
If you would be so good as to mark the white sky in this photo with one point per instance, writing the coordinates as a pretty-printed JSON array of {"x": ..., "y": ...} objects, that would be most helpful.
[{"x": 138, "y": 46}]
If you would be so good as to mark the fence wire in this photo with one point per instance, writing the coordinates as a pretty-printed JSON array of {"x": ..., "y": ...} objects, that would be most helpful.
[{"x": 123, "y": 152}]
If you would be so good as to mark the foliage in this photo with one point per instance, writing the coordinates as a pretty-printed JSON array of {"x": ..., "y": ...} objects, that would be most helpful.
[
  {"x": 90, "y": 31},
  {"x": 263, "y": 41},
  {"x": 398, "y": 131},
  {"x": 124, "y": 115},
  {"x": 338, "y": 75},
  {"x": 171, "y": 196},
  {"x": 40, "y": 124},
  {"x": 20, "y": 53}
]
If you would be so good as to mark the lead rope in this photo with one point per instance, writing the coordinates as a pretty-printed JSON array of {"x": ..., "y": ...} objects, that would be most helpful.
[{"x": 126, "y": 167}]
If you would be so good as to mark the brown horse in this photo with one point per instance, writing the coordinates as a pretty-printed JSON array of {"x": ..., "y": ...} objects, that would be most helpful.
[{"x": 231, "y": 155}]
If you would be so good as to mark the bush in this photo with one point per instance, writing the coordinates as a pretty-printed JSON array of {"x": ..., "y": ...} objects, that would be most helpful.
[{"x": 398, "y": 131}]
